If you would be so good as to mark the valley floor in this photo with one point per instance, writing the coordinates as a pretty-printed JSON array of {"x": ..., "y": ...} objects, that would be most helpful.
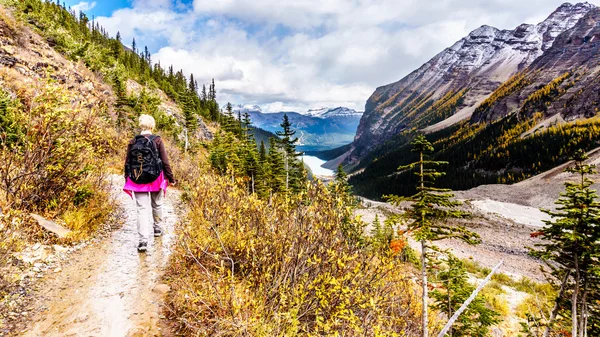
[
  {"x": 502, "y": 238},
  {"x": 109, "y": 289}
]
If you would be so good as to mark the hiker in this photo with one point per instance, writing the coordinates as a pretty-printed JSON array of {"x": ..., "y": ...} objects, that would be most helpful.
[{"x": 147, "y": 175}]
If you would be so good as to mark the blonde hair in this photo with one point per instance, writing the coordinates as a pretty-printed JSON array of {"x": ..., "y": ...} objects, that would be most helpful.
[{"x": 147, "y": 123}]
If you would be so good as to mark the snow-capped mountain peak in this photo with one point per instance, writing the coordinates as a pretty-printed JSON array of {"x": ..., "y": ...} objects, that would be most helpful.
[
  {"x": 323, "y": 112},
  {"x": 332, "y": 112},
  {"x": 477, "y": 63}
]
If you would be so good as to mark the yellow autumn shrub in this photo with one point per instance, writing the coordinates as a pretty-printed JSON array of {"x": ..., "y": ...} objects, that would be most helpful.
[
  {"x": 53, "y": 148},
  {"x": 282, "y": 267}
]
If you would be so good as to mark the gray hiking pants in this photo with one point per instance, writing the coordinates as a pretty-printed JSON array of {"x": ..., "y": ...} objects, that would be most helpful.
[{"x": 149, "y": 213}]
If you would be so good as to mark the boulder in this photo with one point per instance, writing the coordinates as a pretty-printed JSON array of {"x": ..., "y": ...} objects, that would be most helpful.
[
  {"x": 51, "y": 226},
  {"x": 162, "y": 288}
]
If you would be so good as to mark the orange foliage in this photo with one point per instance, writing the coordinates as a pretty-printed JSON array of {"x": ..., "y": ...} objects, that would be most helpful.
[{"x": 397, "y": 245}]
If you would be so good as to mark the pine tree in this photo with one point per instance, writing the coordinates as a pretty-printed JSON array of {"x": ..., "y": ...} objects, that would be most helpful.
[
  {"x": 229, "y": 124},
  {"x": 134, "y": 46},
  {"x": 292, "y": 166},
  {"x": 454, "y": 291},
  {"x": 275, "y": 176},
  {"x": 212, "y": 93},
  {"x": 116, "y": 46},
  {"x": 192, "y": 84},
  {"x": 381, "y": 236},
  {"x": 252, "y": 164},
  {"x": 247, "y": 124},
  {"x": 341, "y": 189},
  {"x": 204, "y": 97},
  {"x": 571, "y": 245},
  {"x": 287, "y": 136},
  {"x": 263, "y": 153},
  {"x": 146, "y": 55},
  {"x": 431, "y": 208},
  {"x": 189, "y": 111}
]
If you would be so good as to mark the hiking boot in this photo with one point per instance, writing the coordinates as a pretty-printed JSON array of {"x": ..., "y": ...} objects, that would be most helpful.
[
  {"x": 157, "y": 232},
  {"x": 142, "y": 247}
]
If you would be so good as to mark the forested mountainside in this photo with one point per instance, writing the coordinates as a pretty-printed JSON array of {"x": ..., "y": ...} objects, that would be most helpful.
[{"x": 531, "y": 122}]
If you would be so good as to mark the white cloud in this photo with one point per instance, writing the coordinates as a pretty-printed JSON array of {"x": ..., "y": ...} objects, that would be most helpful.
[
  {"x": 83, "y": 6},
  {"x": 297, "y": 54}
]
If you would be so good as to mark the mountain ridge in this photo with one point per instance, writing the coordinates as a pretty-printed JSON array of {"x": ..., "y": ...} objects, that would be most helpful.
[
  {"x": 323, "y": 112},
  {"x": 458, "y": 79},
  {"x": 570, "y": 66},
  {"x": 317, "y": 129}
]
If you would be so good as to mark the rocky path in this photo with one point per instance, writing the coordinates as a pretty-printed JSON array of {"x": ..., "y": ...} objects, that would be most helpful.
[{"x": 109, "y": 289}]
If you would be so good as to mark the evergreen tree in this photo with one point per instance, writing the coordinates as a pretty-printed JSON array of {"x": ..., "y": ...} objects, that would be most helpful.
[
  {"x": 275, "y": 172},
  {"x": 287, "y": 136},
  {"x": 571, "y": 246},
  {"x": 454, "y": 291},
  {"x": 246, "y": 125},
  {"x": 262, "y": 187},
  {"x": 134, "y": 46},
  {"x": 116, "y": 47},
  {"x": 381, "y": 236},
  {"x": 204, "y": 97},
  {"x": 229, "y": 121},
  {"x": 189, "y": 111},
  {"x": 212, "y": 94},
  {"x": 431, "y": 208},
  {"x": 341, "y": 189},
  {"x": 147, "y": 57},
  {"x": 192, "y": 84},
  {"x": 252, "y": 164},
  {"x": 293, "y": 167},
  {"x": 262, "y": 153}
]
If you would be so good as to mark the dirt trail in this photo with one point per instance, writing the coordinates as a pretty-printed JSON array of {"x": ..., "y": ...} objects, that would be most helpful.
[{"x": 109, "y": 289}]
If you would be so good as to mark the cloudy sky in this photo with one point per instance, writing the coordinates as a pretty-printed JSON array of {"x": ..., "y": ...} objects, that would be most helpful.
[{"x": 291, "y": 55}]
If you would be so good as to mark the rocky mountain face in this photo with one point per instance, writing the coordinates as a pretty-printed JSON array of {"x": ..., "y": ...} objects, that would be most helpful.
[
  {"x": 27, "y": 63},
  {"x": 335, "y": 112},
  {"x": 563, "y": 83},
  {"x": 317, "y": 129},
  {"x": 450, "y": 87}
]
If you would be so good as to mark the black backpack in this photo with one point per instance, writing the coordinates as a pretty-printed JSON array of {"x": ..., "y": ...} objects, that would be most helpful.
[{"x": 144, "y": 164}]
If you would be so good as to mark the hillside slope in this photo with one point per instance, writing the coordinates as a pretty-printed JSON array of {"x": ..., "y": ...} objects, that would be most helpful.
[
  {"x": 530, "y": 123},
  {"x": 540, "y": 191},
  {"x": 572, "y": 64},
  {"x": 28, "y": 62}
]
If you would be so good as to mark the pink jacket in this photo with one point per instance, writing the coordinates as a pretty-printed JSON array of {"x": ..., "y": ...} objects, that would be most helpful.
[{"x": 160, "y": 184}]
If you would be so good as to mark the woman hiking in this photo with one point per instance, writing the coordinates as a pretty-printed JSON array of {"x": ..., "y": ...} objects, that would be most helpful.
[{"x": 147, "y": 176}]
